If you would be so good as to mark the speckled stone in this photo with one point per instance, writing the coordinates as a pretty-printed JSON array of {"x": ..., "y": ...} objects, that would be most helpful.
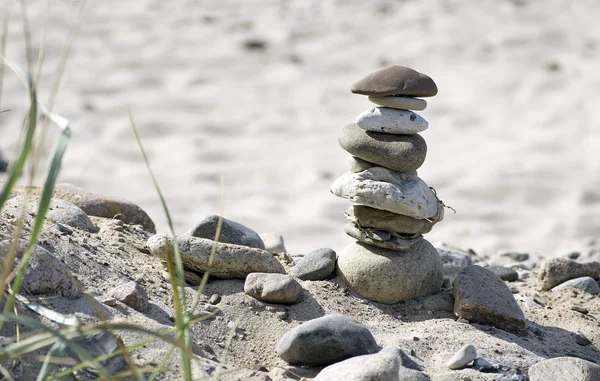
[{"x": 391, "y": 121}]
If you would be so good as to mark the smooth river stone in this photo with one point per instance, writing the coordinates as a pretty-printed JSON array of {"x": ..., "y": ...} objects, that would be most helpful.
[
  {"x": 396, "y": 80},
  {"x": 391, "y": 121},
  {"x": 381, "y": 188},
  {"x": 358, "y": 165},
  {"x": 368, "y": 217},
  {"x": 402, "y": 153},
  {"x": 400, "y": 103},
  {"x": 379, "y": 238}
]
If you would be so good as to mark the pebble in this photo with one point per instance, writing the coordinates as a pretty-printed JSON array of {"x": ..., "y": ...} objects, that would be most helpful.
[
  {"x": 379, "y": 238},
  {"x": 564, "y": 368},
  {"x": 558, "y": 270},
  {"x": 402, "y": 153},
  {"x": 514, "y": 255},
  {"x": 368, "y": 217},
  {"x": 230, "y": 261},
  {"x": 399, "y": 275},
  {"x": 358, "y": 165},
  {"x": 273, "y": 288},
  {"x": 525, "y": 265},
  {"x": 505, "y": 273},
  {"x": 581, "y": 310},
  {"x": 131, "y": 294},
  {"x": 400, "y": 103},
  {"x": 273, "y": 242},
  {"x": 391, "y": 121},
  {"x": 464, "y": 356},
  {"x": 381, "y": 188},
  {"x": 231, "y": 232},
  {"x": 214, "y": 299},
  {"x": 453, "y": 261},
  {"x": 396, "y": 80},
  {"x": 316, "y": 265},
  {"x": 326, "y": 340},
  {"x": 585, "y": 283},
  {"x": 382, "y": 366},
  {"x": 482, "y": 297}
]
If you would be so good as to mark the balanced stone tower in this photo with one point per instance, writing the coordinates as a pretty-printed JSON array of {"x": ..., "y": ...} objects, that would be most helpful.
[{"x": 390, "y": 261}]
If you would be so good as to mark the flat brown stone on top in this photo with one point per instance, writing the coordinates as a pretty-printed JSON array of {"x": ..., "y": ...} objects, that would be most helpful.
[{"x": 396, "y": 80}]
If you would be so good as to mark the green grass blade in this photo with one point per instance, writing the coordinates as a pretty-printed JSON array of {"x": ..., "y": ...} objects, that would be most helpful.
[{"x": 56, "y": 350}]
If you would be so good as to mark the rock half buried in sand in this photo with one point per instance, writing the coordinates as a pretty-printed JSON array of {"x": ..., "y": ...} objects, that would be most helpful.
[
  {"x": 358, "y": 165},
  {"x": 402, "y": 153},
  {"x": 481, "y": 296},
  {"x": 396, "y": 80},
  {"x": 316, "y": 265},
  {"x": 396, "y": 192},
  {"x": 326, "y": 340},
  {"x": 388, "y": 276},
  {"x": 400, "y": 103},
  {"x": 368, "y": 217},
  {"x": 272, "y": 288},
  {"x": 230, "y": 261},
  {"x": 564, "y": 368},
  {"x": 391, "y": 121},
  {"x": 379, "y": 238},
  {"x": 231, "y": 232},
  {"x": 461, "y": 358},
  {"x": 585, "y": 283},
  {"x": 558, "y": 270}
]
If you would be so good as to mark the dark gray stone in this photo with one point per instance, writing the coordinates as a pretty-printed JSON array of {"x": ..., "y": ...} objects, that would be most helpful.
[
  {"x": 326, "y": 340},
  {"x": 231, "y": 232},
  {"x": 316, "y": 265},
  {"x": 131, "y": 294},
  {"x": 564, "y": 368},
  {"x": 558, "y": 270},
  {"x": 272, "y": 288},
  {"x": 481, "y": 296},
  {"x": 396, "y": 80},
  {"x": 505, "y": 273},
  {"x": 585, "y": 283}
]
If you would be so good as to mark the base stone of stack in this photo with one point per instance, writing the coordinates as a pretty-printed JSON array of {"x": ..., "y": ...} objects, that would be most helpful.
[{"x": 389, "y": 276}]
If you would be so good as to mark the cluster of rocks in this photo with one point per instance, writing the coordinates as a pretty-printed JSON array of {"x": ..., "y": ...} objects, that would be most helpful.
[{"x": 390, "y": 261}]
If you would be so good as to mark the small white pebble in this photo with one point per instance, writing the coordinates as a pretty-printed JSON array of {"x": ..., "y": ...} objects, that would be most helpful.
[{"x": 461, "y": 358}]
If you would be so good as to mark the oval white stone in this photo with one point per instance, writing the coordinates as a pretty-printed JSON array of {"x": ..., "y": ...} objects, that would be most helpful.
[
  {"x": 391, "y": 121},
  {"x": 402, "y": 103}
]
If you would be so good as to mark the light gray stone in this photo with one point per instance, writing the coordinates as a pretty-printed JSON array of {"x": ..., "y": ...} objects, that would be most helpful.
[
  {"x": 402, "y": 153},
  {"x": 464, "y": 356},
  {"x": 400, "y": 275},
  {"x": 379, "y": 238},
  {"x": 326, "y": 340},
  {"x": 272, "y": 288},
  {"x": 564, "y": 368},
  {"x": 230, "y": 261},
  {"x": 391, "y": 121},
  {"x": 358, "y": 165},
  {"x": 231, "y": 232},
  {"x": 558, "y": 270},
  {"x": 316, "y": 265},
  {"x": 586, "y": 284},
  {"x": 380, "y": 366},
  {"x": 381, "y": 188},
  {"x": 454, "y": 262},
  {"x": 396, "y": 80},
  {"x": 131, "y": 294},
  {"x": 273, "y": 242},
  {"x": 368, "y": 217},
  {"x": 400, "y": 103}
]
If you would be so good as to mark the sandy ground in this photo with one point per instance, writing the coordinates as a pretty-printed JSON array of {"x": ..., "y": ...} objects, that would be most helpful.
[{"x": 513, "y": 140}]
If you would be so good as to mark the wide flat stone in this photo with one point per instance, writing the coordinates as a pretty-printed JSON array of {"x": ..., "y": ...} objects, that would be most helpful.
[
  {"x": 231, "y": 232},
  {"x": 558, "y": 270},
  {"x": 564, "y": 368},
  {"x": 396, "y": 192},
  {"x": 482, "y": 297},
  {"x": 368, "y": 217},
  {"x": 391, "y": 121},
  {"x": 272, "y": 288},
  {"x": 402, "y": 153},
  {"x": 230, "y": 261},
  {"x": 379, "y": 238},
  {"x": 400, "y": 275},
  {"x": 400, "y": 103},
  {"x": 396, "y": 80}
]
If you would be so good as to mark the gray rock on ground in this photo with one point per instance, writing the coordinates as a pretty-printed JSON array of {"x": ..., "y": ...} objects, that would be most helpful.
[
  {"x": 463, "y": 357},
  {"x": 326, "y": 340},
  {"x": 231, "y": 232},
  {"x": 564, "y": 368},
  {"x": 505, "y": 273},
  {"x": 230, "y": 261},
  {"x": 585, "y": 283},
  {"x": 272, "y": 288},
  {"x": 454, "y": 262},
  {"x": 382, "y": 366},
  {"x": 481, "y": 296},
  {"x": 379, "y": 238},
  {"x": 131, "y": 294},
  {"x": 558, "y": 270},
  {"x": 316, "y": 265},
  {"x": 273, "y": 242}
]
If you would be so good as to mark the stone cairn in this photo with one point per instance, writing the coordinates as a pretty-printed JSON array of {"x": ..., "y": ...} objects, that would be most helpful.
[{"x": 390, "y": 261}]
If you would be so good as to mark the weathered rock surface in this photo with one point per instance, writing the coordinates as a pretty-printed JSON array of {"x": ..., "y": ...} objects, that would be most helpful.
[
  {"x": 400, "y": 103},
  {"x": 368, "y": 217},
  {"x": 272, "y": 288},
  {"x": 326, "y": 340},
  {"x": 316, "y": 265},
  {"x": 273, "y": 242},
  {"x": 481, "y": 296},
  {"x": 379, "y": 238},
  {"x": 400, "y": 275},
  {"x": 564, "y": 368},
  {"x": 558, "y": 270},
  {"x": 396, "y": 80},
  {"x": 586, "y": 284},
  {"x": 454, "y": 262},
  {"x": 391, "y": 121},
  {"x": 231, "y": 232},
  {"x": 380, "y": 366},
  {"x": 131, "y": 294},
  {"x": 464, "y": 356},
  {"x": 230, "y": 261}
]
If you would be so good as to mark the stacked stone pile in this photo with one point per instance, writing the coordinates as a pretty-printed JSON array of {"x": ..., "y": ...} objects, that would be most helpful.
[{"x": 389, "y": 261}]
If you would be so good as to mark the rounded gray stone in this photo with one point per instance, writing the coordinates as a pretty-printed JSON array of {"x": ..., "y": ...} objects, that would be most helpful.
[
  {"x": 380, "y": 366},
  {"x": 388, "y": 276},
  {"x": 586, "y": 284},
  {"x": 391, "y": 121},
  {"x": 131, "y": 294},
  {"x": 368, "y": 217},
  {"x": 465, "y": 355},
  {"x": 231, "y": 232},
  {"x": 316, "y": 265},
  {"x": 564, "y": 368},
  {"x": 379, "y": 238},
  {"x": 396, "y": 80},
  {"x": 272, "y": 288},
  {"x": 402, "y": 153}
]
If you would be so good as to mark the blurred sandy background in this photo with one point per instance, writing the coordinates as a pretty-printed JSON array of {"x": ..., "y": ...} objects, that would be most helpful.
[{"x": 258, "y": 90}]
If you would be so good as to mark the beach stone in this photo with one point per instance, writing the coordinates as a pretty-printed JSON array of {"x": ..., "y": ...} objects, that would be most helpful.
[
  {"x": 402, "y": 153},
  {"x": 453, "y": 261},
  {"x": 391, "y": 121},
  {"x": 326, "y": 340},
  {"x": 358, "y": 165},
  {"x": 379, "y": 238},
  {"x": 316, "y": 265},
  {"x": 368, "y": 217},
  {"x": 380, "y": 366},
  {"x": 272, "y": 288},
  {"x": 585, "y": 283},
  {"x": 231, "y": 232},
  {"x": 401, "y": 275},
  {"x": 505, "y": 273},
  {"x": 273, "y": 242},
  {"x": 381, "y": 188},
  {"x": 558, "y": 270},
  {"x": 230, "y": 261},
  {"x": 481, "y": 296},
  {"x": 396, "y": 80},
  {"x": 463, "y": 357},
  {"x": 564, "y": 368},
  {"x": 131, "y": 294},
  {"x": 400, "y": 103}
]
